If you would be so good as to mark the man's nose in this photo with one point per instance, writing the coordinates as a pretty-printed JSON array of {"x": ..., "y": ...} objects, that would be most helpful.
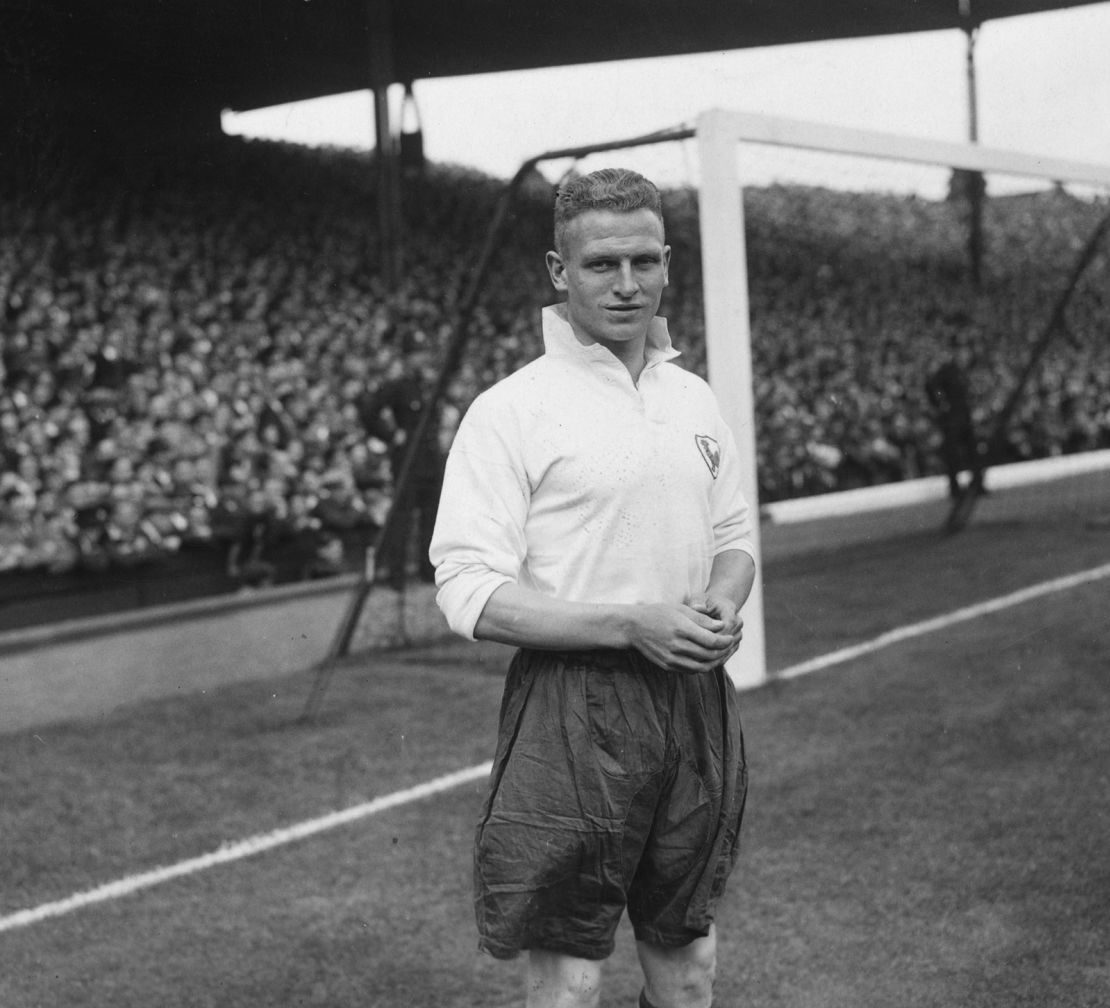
[{"x": 626, "y": 284}]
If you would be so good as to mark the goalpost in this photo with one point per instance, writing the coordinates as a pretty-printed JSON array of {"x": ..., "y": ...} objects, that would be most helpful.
[{"x": 721, "y": 136}]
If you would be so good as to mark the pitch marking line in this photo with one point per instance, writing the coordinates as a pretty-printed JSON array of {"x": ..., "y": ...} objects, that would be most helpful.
[
  {"x": 299, "y": 831},
  {"x": 941, "y": 622},
  {"x": 242, "y": 848}
]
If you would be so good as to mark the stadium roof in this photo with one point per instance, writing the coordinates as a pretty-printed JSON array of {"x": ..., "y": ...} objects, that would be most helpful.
[{"x": 242, "y": 54}]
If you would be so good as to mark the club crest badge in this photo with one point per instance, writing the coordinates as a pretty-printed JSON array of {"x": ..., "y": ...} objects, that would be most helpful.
[{"x": 710, "y": 452}]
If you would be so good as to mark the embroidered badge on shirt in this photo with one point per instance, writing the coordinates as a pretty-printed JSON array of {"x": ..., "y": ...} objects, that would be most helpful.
[{"x": 710, "y": 451}]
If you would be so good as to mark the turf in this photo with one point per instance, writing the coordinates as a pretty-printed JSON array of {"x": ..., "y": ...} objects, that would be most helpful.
[{"x": 926, "y": 825}]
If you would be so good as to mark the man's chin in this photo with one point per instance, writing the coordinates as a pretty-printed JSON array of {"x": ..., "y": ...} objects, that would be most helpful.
[
  {"x": 615, "y": 327},
  {"x": 626, "y": 325}
]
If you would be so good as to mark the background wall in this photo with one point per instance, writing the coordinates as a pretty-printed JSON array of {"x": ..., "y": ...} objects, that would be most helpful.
[{"x": 85, "y": 668}]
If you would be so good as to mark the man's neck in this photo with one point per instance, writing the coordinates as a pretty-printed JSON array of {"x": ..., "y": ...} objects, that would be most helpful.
[
  {"x": 631, "y": 353},
  {"x": 633, "y": 356}
]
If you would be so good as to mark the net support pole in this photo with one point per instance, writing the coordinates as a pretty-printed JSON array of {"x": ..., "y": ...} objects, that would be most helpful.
[{"x": 728, "y": 348}]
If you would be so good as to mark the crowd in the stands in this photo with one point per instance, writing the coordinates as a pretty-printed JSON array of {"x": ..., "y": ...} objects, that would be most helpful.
[
  {"x": 201, "y": 351},
  {"x": 857, "y": 298}
]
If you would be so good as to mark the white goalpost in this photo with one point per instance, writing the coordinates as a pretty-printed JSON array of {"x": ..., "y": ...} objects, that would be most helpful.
[{"x": 721, "y": 135}]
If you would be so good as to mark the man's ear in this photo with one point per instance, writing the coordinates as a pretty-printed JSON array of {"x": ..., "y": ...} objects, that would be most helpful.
[
  {"x": 666, "y": 265},
  {"x": 557, "y": 270}
]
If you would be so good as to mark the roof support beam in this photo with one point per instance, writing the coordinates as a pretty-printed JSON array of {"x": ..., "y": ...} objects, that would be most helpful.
[{"x": 379, "y": 19}]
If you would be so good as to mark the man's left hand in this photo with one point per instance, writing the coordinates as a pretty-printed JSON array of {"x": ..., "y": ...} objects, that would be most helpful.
[{"x": 721, "y": 608}]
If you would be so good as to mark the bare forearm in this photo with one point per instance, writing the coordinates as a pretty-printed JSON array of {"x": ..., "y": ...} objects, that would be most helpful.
[
  {"x": 675, "y": 637},
  {"x": 525, "y": 618},
  {"x": 732, "y": 576}
]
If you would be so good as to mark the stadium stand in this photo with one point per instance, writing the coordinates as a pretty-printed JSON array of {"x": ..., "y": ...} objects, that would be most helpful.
[{"x": 190, "y": 342}]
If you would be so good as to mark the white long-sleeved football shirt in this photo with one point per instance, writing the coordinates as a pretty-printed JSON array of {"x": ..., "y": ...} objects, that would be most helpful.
[{"x": 570, "y": 479}]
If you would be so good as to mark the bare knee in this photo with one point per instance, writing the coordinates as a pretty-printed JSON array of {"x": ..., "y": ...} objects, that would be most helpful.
[
  {"x": 680, "y": 977},
  {"x": 560, "y": 981}
]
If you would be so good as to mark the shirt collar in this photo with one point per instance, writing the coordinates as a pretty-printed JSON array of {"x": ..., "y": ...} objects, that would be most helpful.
[{"x": 559, "y": 340}]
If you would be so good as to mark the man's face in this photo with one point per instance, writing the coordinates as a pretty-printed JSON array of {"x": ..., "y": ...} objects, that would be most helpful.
[{"x": 613, "y": 268}]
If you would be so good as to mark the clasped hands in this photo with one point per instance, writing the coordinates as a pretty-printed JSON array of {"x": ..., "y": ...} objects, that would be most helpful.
[{"x": 696, "y": 636}]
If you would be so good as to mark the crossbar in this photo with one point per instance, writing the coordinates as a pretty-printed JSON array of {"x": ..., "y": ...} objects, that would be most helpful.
[{"x": 749, "y": 127}]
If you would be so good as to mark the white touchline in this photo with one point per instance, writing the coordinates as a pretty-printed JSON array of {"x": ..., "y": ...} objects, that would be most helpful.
[
  {"x": 267, "y": 841},
  {"x": 243, "y": 848},
  {"x": 940, "y": 622}
]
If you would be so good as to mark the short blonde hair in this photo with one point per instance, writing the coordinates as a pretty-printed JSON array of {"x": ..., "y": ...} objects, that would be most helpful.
[{"x": 619, "y": 190}]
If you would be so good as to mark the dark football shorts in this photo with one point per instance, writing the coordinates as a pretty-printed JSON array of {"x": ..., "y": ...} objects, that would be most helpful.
[{"x": 615, "y": 784}]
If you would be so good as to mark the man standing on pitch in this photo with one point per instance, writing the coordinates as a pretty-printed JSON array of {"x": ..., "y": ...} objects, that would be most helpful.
[{"x": 592, "y": 516}]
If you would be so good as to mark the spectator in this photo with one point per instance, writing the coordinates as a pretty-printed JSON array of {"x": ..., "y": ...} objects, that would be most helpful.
[
  {"x": 948, "y": 395},
  {"x": 392, "y": 414}
]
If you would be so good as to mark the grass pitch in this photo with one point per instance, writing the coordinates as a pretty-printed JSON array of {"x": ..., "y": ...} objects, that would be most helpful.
[{"x": 926, "y": 825}]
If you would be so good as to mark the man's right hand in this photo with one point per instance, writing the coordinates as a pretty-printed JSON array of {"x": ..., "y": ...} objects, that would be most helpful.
[{"x": 679, "y": 638}]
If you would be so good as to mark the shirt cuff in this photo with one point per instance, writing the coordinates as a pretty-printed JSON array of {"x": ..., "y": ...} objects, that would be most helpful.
[
  {"x": 462, "y": 604},
  {"x": 743, "y": 545}
]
